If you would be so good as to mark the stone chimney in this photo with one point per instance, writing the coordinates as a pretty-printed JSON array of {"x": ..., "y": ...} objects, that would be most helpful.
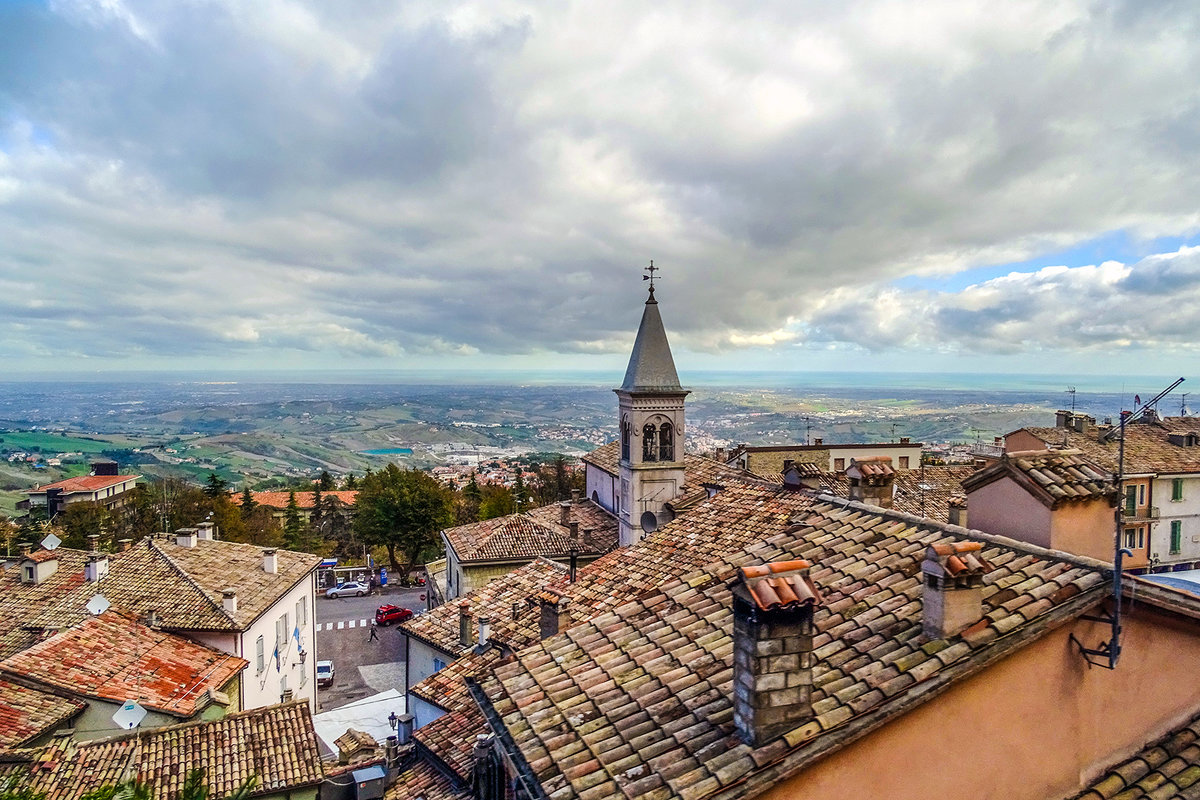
[
  {"x": 564, "y": 513},
  {"x": 206, "y": 531},
  {"x": 96, "y": 567},
  {"x": 575, "y": 495},
  {"x": 872, "y": 480},
  {"x": 465, "y": 637},
  {"x": 772, "y": 649},
  {"x": 186, "y": 537},
  {"x": 270, "y": 560},
  {"x": 123, "y": 545},
  {"x": 556, "y": 613},
  {"x": 26, "y": 548},
  {"x": 485, "y": 627},
  {"x": 953, "y": 587},
  {"x": 229, "y": 600},
  {"x": 93, "y": 542},
  {"x": 958, "y": 511}
]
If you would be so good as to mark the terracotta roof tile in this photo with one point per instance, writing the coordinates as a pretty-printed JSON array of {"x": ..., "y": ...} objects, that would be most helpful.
[
  {"x": 27, "y": 713},
  {"x": 1168, "y": 767},
  {"x": 277, "y": 744},
  {"x": 535, "y": 533},
  {"x": 783, "y": 584},
  {"x": 85, "y": 483},
  {"x": 1148, "y": 446},
  {"x": 304, "y": 500},
  {"x": 422, "y": 781},
  {"x": 1056, "y": 475},
  {"x": 21, "y": 602},
  {"x": 665, "y": 657},
  {"x": 926, "y": 492},
  {"x": 113, "y": 657}
]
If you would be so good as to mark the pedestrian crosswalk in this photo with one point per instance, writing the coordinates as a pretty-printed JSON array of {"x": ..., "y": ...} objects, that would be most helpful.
[{"x": 343, "y": 624}]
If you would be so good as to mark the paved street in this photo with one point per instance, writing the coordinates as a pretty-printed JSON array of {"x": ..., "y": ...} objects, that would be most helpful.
[{"x": 362, "y": 667}]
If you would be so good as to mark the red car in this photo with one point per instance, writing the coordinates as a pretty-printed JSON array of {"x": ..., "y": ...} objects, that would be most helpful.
[{"x": 386, "y": 615}]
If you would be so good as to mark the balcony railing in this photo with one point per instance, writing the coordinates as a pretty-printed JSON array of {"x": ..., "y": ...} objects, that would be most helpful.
[{"x": 1144, "y": 513}]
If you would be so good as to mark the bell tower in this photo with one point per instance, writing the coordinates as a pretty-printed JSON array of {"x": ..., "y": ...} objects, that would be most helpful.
[{"x": 650, "y": 413}]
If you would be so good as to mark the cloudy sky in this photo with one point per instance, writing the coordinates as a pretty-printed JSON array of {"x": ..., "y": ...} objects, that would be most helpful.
[{"x": 960, "y": 185}]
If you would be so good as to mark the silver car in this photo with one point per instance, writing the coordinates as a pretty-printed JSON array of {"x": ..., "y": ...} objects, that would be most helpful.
[{"x": 353, "y": 588}]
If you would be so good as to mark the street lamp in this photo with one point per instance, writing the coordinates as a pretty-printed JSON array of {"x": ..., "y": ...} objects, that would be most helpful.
[
  {"x": 303, "y": 656},
  {"x": 393, "y": 720}
]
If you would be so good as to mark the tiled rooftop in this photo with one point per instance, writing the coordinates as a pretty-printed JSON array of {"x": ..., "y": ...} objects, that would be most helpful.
[
  {"x": 20, "y": 602},
  {"x": 1057, "y": 475},
  {"x": 422, "y": 782},
  {"x": 636, "y": 702},
  {"x": 1169, "y": 767},
  {"x": 183, "y": 585},
  {"x": 496, "y": 600},
  {"x": 925, "y": 492},
  {"x": 114, "y": 657},
  {"x": 27, "y": 713},
  {"x": 84, "y": 483},
  {"x": 304, "y": 500},
  {"x": 698, "y": 469},
  {"x": 277, "y": 744},
  {"x": 1148, "y": 448},
  {"x": 535, "y": 533},
  {"x": 452, "y": 736}
]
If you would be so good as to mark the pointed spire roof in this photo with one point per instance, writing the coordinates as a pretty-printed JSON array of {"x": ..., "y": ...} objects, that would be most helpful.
[{"x": 651, "y": 367}]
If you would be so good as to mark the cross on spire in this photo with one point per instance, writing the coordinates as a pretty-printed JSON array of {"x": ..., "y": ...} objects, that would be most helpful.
[{"x": 649, "y": 276}]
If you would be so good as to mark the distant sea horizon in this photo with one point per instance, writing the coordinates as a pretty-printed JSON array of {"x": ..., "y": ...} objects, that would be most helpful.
[{"x": 756, "y": 379}]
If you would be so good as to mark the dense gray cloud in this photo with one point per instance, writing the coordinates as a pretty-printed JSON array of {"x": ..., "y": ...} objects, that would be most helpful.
[{"x": 384, "y": 183}]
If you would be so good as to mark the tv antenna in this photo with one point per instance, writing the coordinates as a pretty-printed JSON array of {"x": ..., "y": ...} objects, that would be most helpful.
[
  {"x": 807, "y": 431},
  {"x": 1071, "y": 391},
  {"x": 1183, "y": 409},
  {"x": 1107, "y": 654}
]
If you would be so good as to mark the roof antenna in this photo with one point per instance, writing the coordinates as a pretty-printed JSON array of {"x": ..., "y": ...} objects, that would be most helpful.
[
  {"x": 1183, "y": 409},
  {"x": 1071, "y": 391},
  {"x": 1106, "y": 654}
]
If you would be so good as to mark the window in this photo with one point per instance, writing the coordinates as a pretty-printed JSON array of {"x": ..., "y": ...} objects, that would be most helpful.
[
  {"x": 666, "y": 442},
  {"x": 1130, "y": 500},
  {"x": 625, "y": 438},
  {"x": 1130, "y": 538},
  {"x": 1176, "y": 490},
  {"x": 302, "y": 612},
  {"x": 438, "y": 665},
  {"x": 260, "y": 654},
  {"x": 1141, "y": 494},
  {"x": 903, "y": 462},
  {"x": 1176, "y": 535},
  {"x": 281, "y": 632},
  {"x": 1141, "y": 538},
  {"x": 839, "y": 464},
  {"x": 649, "y": 443}
]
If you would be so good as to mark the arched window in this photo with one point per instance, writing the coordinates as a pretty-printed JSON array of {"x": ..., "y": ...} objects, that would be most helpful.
[
  {"x": 649, "y": 443},
  {"x": 666, "y": 442},
  {"x": 625, "y": 438}
]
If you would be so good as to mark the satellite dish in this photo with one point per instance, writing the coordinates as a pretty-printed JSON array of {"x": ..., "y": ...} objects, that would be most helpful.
[
  {"x": 97, "y": 605},
  {"x": 129, "y": 715},
  {"x": 51, "y": 542},
  {"x": 649, "y": 522}
]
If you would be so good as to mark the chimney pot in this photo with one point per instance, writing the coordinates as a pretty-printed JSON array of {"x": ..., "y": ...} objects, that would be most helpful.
[
  {"x": 772, "y": 649},
  {"x": 485, "y": 627},
  {"x": 575, "y": 494},
  {"x": 229, "y": 600},
  {"x": 465, "y": 634},
  {"x": 556, "y": 613},
  {"x": 564, "y": 513},
  {"x": 953, "y": 574},
  {"x": 270, "y": 560},
  {"x": 185, "y": 537}
]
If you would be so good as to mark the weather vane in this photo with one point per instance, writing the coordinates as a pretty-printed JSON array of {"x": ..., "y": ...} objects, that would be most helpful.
[{"x": 649, "y": 276}]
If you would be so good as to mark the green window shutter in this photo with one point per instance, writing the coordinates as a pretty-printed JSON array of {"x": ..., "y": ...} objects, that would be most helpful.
[
  {"x": 1177, "y": 489},
  {"x": 1176, "y": 535}
]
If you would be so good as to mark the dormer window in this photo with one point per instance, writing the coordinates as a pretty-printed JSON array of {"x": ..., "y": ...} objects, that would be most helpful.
[
  {"x": 30, "y": 575},
  {"x": 649, "y": 443}
]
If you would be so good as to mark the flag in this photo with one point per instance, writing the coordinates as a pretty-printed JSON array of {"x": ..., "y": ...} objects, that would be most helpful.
[
  {"x": 1137, "y": 400},
  {"x": 296, "y": 634}
]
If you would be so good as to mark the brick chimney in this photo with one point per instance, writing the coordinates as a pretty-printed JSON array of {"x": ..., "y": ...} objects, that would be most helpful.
[
  {"x": 466, "y": 636},
  {"x": 556, "y": 613},
  {"x": 772, "y": 649},
  {"x": 123, "y": 545},
  {"x": 953, "y": 587},
  {"x": 872, "y": 480}
]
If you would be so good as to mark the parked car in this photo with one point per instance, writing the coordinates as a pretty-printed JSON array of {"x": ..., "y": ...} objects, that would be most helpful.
[
  {"x": 356, "y": 588},
  {"x": 387, "y": 614},
  {"x": 324, "y": 673}
]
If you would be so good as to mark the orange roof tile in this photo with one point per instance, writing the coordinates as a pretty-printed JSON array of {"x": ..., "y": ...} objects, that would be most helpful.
[
  {"x": 1168, "y": 767},
  {"x": 114, "y": 657},
  {"x": 276, "y": 743},
  {"x": 1055, "y": 476},
  {"x": 27, "y": 713},
  {"x": 783, "y": 584},
  {"x": 534, "y": 533},
  {"x": 304, "y": 500},
  {"x": 84, "y": 483}
]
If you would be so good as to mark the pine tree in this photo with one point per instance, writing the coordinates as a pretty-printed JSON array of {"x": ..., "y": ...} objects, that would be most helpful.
[
  {"x": 293, "y": 528},
  {"x": 315, "y": 516},
  {"x": 248, "y": 503},
  {"x": 325, "y": 482},
  {"x": 520, "y": 495},
  {"x": 215, "y": 486},
  {"x": 351, "y": 483}
]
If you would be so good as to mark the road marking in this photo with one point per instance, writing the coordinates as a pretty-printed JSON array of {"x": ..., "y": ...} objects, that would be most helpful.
[{"x": 341, "y": 625}]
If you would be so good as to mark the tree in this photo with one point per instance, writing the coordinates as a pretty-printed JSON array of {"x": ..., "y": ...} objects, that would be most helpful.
[
  {"x": 497, "y": 501},
  {"x": 520, "y": 494},
  {"x": 314, "y": 518},
  {"x": 351, "y": 483},
  {"x": 215, "y": 486},
  {"x": 401, "y": 509},
  {"x": 293, "y": 528},
  {"x": 78, "y": 521},
  {"x": 8, "y": 533},
  {"x": 248, "y": 502},
  {"x": 325, "y": 482}
]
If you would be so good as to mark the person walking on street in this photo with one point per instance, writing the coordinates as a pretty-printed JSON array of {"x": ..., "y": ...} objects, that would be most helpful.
[{"x": 374, "y": 631}]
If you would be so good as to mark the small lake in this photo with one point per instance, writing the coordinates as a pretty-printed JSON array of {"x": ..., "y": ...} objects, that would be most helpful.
[{"x": 389, "y": 451}]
